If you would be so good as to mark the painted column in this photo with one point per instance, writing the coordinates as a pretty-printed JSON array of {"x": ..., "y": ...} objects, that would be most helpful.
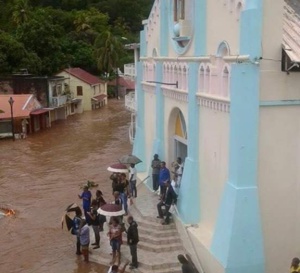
[
  {"x": 189, "y": 196},
  {"x": 238, "y": 241},
  {"x": 158, "y": 146},
  {"x": 139, "y": 141},
  {"x": 189, "y": 202}
]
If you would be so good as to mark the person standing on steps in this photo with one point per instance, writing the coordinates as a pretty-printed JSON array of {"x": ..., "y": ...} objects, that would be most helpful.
[
  {"x": 155, "y": 171},
  {"x": 169, "y": 199},
  {"x": 75, "y": 229},
  {"x": 164, "y": 176},
  {"x": 132, "y": 241},
  {"x": 86, "y": 197},
  {"x": 84, "y": 234},
  {"x": 115, "y": 237},
  {"x": 186, "y": 266},
  {"x": 94, "y": 221},
  {"x": 124, "y": 191},
  {"x": 132, "y": 180}
]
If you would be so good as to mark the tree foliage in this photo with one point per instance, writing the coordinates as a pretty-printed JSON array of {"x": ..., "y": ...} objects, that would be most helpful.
[{"x": 46, "y": 36}]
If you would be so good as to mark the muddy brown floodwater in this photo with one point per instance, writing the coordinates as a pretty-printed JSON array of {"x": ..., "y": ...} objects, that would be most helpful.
[{"x": 40, "y": 176}]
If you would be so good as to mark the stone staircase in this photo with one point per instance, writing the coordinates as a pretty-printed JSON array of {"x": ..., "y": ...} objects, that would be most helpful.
[{"x": 159, "y": 245}]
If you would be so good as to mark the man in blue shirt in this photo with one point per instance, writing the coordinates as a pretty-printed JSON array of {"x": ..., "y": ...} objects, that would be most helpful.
[{"x": 164, "y": 176}]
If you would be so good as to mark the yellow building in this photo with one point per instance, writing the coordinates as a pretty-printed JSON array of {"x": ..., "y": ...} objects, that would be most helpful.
[{"x": 86, "y": 87}]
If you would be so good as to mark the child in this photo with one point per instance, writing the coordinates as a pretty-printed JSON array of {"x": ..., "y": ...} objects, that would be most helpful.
[
  {"x": 84, "y": 234},
  {"x": 295, "y": 268}
]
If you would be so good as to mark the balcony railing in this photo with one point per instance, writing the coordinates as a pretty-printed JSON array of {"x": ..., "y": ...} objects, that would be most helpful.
[
  {"x": 59, "y": 101},
  {"x": 129, "y": 70},
  {"x": 130, "y": 102}
]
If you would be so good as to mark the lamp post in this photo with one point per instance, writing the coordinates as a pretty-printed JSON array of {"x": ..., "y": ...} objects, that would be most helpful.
[{"x": 11, "y": 103}]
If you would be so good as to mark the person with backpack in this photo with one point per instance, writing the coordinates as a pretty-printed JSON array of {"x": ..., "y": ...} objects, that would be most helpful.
[
  {"x": 94, "y": 221},
  {"x": 167, "y": 200},
  {"x": 75, "y": 229}
]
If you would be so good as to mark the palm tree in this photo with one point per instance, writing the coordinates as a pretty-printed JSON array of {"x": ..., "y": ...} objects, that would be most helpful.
[
  {"x": 108, "y": 49},
  {"x": 82, "y": 22},
  {"x": 20, "y": 13}
]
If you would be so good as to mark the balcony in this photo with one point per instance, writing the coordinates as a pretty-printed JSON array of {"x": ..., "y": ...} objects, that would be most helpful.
[
  {"x": 130, "y": 102},
  {"x": 59, "y": 101},
  {"x": 129, "y": 70}
]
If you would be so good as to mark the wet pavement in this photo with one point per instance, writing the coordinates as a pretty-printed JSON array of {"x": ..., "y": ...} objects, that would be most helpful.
[{"x": 41, "y": 175}]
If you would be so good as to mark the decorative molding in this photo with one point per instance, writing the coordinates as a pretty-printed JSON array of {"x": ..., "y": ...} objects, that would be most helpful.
[
  {"x": 148, "y": 87},
  {"x": 176, "y": 94},
  {"x": 178, "y": 59},
  {"x": 213, "y": 102}
]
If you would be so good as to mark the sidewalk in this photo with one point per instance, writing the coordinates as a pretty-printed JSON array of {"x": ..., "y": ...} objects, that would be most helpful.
[{"x": 159, "y": 245}]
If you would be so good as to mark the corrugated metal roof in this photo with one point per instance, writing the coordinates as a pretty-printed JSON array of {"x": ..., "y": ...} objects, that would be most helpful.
[
  {"x": 84, "y": 75},
  {"x": 291, "y": 29},
  {"x": 22, "y": 106}
]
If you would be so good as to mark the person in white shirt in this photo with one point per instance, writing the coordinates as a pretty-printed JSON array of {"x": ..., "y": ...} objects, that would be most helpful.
[{"x": 132, "y": 180}]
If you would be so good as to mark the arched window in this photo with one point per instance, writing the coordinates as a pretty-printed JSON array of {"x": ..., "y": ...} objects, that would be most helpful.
[
  {"x": 239, "y": 8},
  {"x": 179, "y": 10},
  {"x": 225, "y": 82},
  {"x": 201, "y": 79},
  {"x": 207, "y": 80}
]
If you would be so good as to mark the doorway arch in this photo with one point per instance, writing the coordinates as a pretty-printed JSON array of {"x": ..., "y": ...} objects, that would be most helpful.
[{"x": 177, "y": 135}]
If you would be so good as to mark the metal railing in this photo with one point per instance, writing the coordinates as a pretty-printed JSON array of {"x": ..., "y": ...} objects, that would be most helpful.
[
  {"x": 59, "y": 101},
  {"x": 130, "y": 103},
  {"x": 129, "y": 70}
]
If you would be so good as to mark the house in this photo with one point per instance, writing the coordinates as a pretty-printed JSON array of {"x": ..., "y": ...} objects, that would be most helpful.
[
  {"x": 218, "y": 85},
  {"x": 123, "y": 83},
  {"x": 86, "y": 87},
  {"x": 26, "y": 115}
]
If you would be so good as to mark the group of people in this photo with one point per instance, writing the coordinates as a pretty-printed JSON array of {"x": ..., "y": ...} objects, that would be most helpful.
[
  {"x": 162, "y": 183},
  {"x": 81, "y": 225},
  {"x": 126, "y": 189},
  {"x": 161, "y": 174}
]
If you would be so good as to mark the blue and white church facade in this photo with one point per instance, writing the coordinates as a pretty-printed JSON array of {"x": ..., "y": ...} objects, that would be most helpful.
[{"x": 217, "y": 85}]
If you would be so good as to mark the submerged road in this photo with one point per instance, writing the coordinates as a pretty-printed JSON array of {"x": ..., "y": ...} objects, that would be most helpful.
[{"x": 41, "y": 175}]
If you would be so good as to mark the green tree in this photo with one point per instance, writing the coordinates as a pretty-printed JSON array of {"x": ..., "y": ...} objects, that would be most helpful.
[
  {"x": 14, "y": 56},
  {"x": 108, "y": 49},
  {"x": 21, "y": 12}
]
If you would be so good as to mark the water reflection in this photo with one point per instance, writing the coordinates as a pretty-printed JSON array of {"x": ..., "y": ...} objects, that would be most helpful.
[{"x": 41, "y": 175}]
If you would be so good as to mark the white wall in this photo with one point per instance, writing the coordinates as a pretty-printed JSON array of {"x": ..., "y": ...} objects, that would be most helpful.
[
  {"x": 213, "y": 157},
  {"x": 150, "y": 124}
]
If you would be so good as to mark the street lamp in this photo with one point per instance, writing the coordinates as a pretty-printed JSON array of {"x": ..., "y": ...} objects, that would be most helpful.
[{"x": 11, "y": 103}]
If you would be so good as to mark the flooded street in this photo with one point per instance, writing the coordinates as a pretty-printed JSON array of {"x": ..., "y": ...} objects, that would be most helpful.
[{"x": 41, "y": 175}]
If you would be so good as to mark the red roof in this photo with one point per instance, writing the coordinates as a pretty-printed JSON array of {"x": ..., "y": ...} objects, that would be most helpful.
[
  {"x": 99, "y": 97},
  {"x": 83, "y": 75},
  {"x": 129, "y": 84},
  {"x": 39, "y": 111},
  {"x": 22, "y": 106}
]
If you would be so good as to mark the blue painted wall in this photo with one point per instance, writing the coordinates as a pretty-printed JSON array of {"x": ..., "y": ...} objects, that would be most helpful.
[
  {"x": 139, "y": 142},
  {"x": 189, "y": 201},
  {"x": 189, "y": 196},
  {"x": 158, "y": 143},
  {"x": 238, "y": 241}
]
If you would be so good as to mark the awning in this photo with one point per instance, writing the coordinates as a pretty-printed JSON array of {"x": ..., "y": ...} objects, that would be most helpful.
[
  {"x": 39, "y": 111},
  {"x": 76, "y": 100},
  {"x": 99, "y": 98}
]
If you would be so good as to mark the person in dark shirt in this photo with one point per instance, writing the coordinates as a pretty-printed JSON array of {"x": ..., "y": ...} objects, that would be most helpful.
[
  {"x": 100, "y": 199},
  {"x": 155, "y": 171},
  {"x": 169, "y": 198},
  {"x": 94, "y": 221},
  {"x": 75, "y": 230},
  {"x": 186, "y": 266},
  {"x": 132, "y": 241}
]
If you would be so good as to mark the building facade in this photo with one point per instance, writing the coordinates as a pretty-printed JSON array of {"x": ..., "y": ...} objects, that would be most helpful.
[
  {"x": 86, "y": 87},
  {"x": 217, "y": 85}
]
